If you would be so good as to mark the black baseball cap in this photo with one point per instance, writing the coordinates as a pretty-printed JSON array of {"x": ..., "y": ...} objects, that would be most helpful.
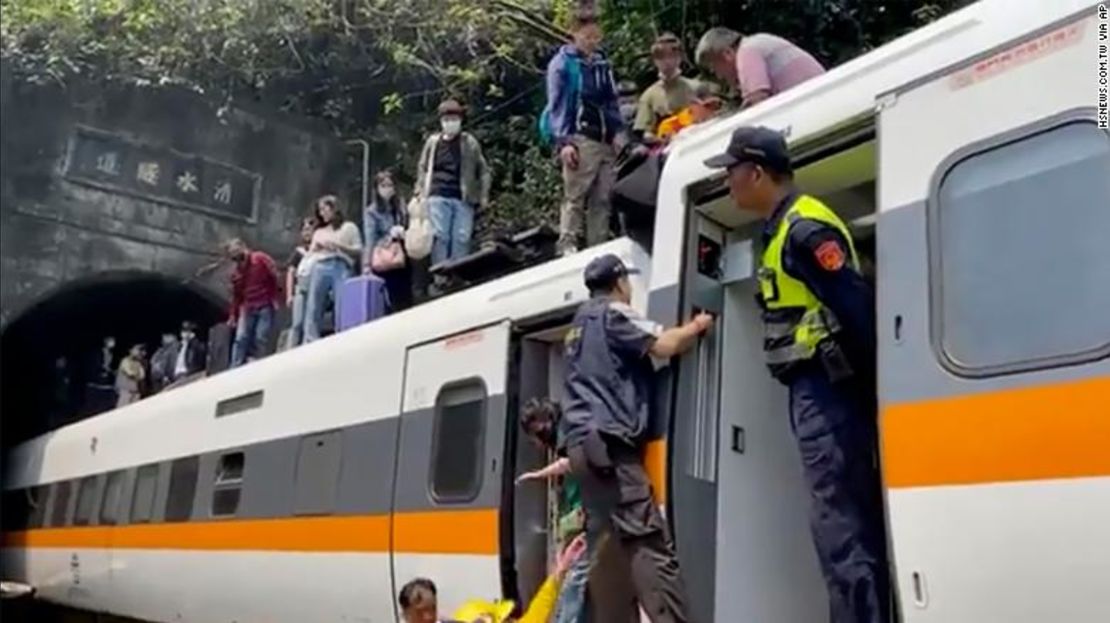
[
  {"x": 757, "y": 144},
  {"x": 605, "y": 270}
]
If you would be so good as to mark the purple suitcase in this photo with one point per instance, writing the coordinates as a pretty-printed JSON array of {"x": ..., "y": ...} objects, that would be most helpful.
[{"x": 361, "y": 300}]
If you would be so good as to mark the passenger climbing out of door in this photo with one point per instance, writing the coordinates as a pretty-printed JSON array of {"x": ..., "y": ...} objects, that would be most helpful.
[
  {"x": 819, "y": 341},
  {"x": 542, "y": 607},
  {"x": 610, "y": 351},
  {"x": 540, "y": 421}
]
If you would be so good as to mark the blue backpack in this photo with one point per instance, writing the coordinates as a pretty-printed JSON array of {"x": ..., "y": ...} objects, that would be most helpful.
[{"x": 574, "y": 72}]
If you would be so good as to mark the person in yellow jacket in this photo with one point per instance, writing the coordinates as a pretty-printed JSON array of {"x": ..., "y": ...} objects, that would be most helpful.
[{"x": 543, "y": 604}]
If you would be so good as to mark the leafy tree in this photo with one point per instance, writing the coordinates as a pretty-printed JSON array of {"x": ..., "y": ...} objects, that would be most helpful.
[{"x": 377, "y": 68}]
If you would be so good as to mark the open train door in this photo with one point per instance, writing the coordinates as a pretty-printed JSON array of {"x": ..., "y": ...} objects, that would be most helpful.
[
  {"x": 447, "y": 495},
  {"x": 994, "y": 330}
]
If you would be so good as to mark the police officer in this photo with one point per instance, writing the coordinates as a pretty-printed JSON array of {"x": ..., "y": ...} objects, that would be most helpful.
[
  {"x": 610, "y": 351},
  {"x": 819, "y": 340}
]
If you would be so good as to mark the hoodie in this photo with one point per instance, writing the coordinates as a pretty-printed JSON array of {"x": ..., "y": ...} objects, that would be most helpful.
[{"x": 586, "y": 105}]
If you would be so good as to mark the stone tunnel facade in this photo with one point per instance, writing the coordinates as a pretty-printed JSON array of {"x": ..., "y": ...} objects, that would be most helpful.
[{"x": 123, "y": 179}]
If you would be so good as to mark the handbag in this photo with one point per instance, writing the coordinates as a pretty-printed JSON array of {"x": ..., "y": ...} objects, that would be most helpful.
[
  {"x": 419, "y": 236},
  {"x": 387, "y": 257}
]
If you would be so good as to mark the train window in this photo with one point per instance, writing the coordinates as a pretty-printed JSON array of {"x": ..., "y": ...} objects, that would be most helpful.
[
  {"x": 228, "y": 486},
  {"x": 59, "y": 510},
  {"x": 1018, "y": 231},
  {"x": 457, "y": 442},
  {"x": 183, "y": 487},
  {"x": 317, "y": 474},
  {"x": 109, "y": 501},
  {"x": 86, "y": 501},
  {"x": 142, "y": 500},
  {"x": 239, "y": 404}
]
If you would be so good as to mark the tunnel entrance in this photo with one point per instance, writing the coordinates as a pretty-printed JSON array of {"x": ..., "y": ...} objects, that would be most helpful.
[{"x": 50, "y": 352}]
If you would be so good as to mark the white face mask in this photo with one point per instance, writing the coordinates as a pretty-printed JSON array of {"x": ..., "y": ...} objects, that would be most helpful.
[
  {"x": 386, "y": 192},
  {"x": 451, "y": 125}
]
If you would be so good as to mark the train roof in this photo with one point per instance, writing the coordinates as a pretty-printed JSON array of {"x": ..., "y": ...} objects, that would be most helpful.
[{"x": 301, "y": 385}]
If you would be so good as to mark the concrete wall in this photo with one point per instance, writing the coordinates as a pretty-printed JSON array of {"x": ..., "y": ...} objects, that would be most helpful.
[{"x": 97, "y": 178}]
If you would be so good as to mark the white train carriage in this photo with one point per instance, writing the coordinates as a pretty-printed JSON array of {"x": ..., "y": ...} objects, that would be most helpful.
[{"x": 309, "y": 486}]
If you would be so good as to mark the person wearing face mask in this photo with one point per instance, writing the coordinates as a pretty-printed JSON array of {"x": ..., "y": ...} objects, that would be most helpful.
[
  {"x": 584, "y": 121},
  {"x": 383, "y": 228},
  {"x": 671, "y": 93},
  {"x": 454, "y": 180},
  {"x": 255, "y": 295}
]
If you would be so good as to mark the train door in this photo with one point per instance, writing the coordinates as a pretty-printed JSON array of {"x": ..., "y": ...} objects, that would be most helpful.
[
  {"x": 994, "y": 334},
  {"x": 446, "y": 520}
]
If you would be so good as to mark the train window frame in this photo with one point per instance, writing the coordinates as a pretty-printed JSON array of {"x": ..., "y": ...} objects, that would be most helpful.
[
  {"x": 316, "y": 477},
  {"x": 225, "y": 487},
  {"x": 182, "y": 489},
  {"x": 109, "y": 509},
  {"x": 462, "y": 387},
  {"x": 145, "y": 473},
  {"x": 88, "y": 492},
  {"x": 936, "y": 253},
  {"x": 63, "y": 500},
  {"x": 240, "y": 404}
]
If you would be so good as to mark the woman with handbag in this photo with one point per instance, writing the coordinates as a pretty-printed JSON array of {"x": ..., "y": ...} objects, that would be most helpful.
[{"x": 383, "y": 227}]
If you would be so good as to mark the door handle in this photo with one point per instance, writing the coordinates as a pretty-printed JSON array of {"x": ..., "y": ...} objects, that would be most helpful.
[{"x": 738, "y": 439}]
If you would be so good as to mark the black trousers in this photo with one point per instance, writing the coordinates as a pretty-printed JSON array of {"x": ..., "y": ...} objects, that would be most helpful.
[
  {"x": 834, "y": 424},
  {"x": 618, "y": 500}
]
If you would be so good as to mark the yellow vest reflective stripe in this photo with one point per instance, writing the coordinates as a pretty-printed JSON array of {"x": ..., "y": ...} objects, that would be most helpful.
[{"x": 795, "y": 321}]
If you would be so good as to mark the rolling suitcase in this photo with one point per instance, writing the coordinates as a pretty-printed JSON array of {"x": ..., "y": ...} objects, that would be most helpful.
[{"x": 361, "y": 300}]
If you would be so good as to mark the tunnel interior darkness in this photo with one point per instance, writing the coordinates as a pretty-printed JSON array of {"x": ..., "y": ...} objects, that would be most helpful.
[{"x": 38, "y": 394}]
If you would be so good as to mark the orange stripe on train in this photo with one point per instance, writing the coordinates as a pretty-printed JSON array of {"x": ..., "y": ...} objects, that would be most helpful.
[
  {"x": 442, "y": 532},
  {"x": 1032, "y": 433}
]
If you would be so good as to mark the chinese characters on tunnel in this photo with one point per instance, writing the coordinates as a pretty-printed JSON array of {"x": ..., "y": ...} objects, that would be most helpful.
[{"x": 114, "y": 163}]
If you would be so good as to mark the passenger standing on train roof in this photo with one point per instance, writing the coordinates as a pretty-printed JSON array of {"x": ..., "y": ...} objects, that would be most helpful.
[
  {"x": 454, "y": 180},
  {"x": 759, "y": 65},
  {"x": 669, "y": 94},
  {"x": 610, "y": 350},
  {"x": 819, "y": 340},
  {"x": 255, "y": 297},
  {"x": 583, "y": 113}
]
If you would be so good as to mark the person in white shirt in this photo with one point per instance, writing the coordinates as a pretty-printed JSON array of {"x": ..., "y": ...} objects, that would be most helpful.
[
  {"x": 298, "y": 270},
  {"x": 191, "y": 353},
  {"x": 337, "y": 249}
]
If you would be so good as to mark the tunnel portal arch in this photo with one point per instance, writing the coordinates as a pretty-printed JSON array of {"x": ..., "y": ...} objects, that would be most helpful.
[{"x": 38, "y": 391}]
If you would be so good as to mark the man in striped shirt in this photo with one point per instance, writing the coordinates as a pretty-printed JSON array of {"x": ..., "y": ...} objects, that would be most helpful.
[{"x": 759, "y": 65}]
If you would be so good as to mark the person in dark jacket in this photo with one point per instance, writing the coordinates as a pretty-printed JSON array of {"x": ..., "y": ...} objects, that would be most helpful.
[
  {"x": 585, "y": 118},
  {"x": 383, "y": 225},
  {"x": 611, "y": 352},
  {"x": 192, "y": 353}
]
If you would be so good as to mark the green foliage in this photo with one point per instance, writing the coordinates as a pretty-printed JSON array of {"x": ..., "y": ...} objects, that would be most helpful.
[{"x": 378, "y": 68}]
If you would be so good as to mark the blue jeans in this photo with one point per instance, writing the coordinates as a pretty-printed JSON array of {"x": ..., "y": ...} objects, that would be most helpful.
[
  {"x": 327, "y": 277},
  {"x": 453, "y": 222},
  {"x": 252, "y": 335},
  {"x": 571, "y": 607},
  {"x": 300, "y": 299}
]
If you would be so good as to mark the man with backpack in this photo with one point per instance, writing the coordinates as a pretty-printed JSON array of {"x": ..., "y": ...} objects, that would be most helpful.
[{"x": 583, "y": 120}]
